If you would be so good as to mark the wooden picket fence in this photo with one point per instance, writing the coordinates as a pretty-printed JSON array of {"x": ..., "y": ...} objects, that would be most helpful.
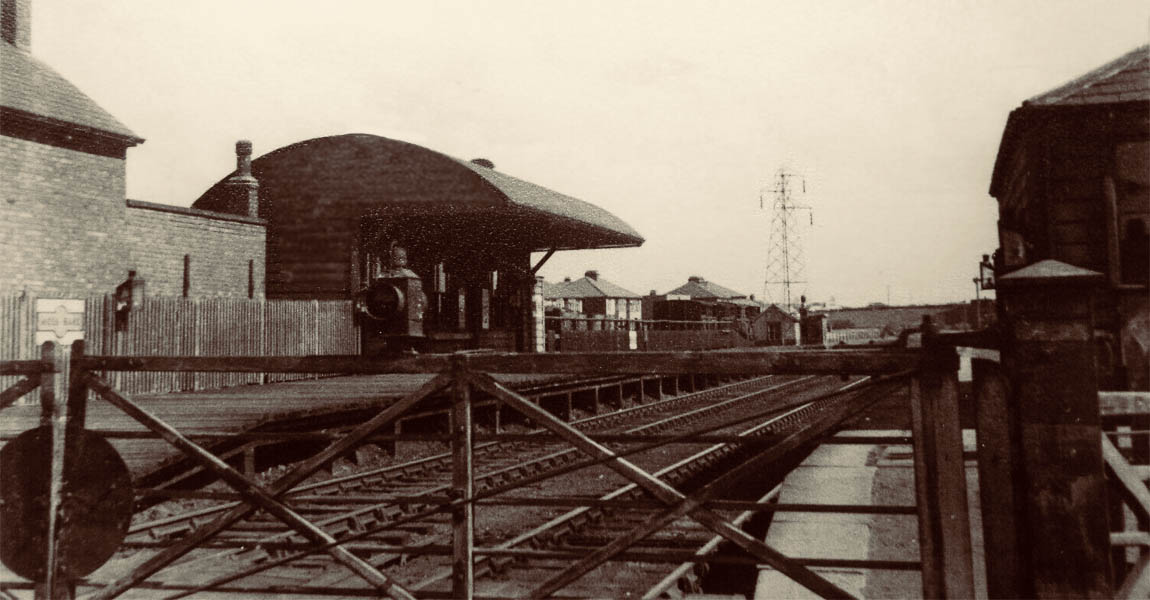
[{"x": 166, "y": 326}]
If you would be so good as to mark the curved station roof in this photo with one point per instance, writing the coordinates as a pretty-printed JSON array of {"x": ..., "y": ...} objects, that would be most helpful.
[{"x": 334, "y": 179}]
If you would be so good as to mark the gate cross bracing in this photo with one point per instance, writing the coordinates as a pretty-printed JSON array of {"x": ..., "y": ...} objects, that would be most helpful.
[{"x": 940, "y": 481}]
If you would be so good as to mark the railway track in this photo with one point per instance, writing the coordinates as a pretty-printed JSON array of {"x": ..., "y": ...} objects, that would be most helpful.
[
  {"x": 555, "y": 545},
  {"x": 392, "y": 517}
]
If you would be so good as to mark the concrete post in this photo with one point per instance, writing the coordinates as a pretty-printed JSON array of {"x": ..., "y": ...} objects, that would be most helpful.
[{"x": 1048, "y": 359}]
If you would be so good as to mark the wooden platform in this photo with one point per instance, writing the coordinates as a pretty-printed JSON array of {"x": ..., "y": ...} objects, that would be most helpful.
[{"x": 238, "y": 409}]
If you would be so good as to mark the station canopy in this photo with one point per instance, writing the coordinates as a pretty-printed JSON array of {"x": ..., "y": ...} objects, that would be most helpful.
[{"x": 330, "y": 181}]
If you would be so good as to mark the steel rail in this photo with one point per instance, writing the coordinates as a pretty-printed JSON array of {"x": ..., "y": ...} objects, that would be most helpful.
[
  {"x": 341, "y": 484},
  {"x": 582, "y": 512},
  {"x": 411, "y": 518},
  {"x": 545, "y": 462},
  {"x": 694, "y": 503}
]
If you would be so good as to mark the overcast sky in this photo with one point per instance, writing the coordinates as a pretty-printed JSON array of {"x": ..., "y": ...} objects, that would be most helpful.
[{"x": 672, "y": 115}]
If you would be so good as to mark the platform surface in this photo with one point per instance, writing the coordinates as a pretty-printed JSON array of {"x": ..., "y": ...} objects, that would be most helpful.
[
  {"x": 237, "y": 409},
  {"x": 868, "y": 474}
]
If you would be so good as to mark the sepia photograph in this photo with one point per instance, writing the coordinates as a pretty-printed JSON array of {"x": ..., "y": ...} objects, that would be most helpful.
[{"x": 633, "y": 299}]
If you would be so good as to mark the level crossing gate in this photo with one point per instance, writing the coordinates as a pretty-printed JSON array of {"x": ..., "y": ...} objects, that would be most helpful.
[{"x": 65, "y": 382}]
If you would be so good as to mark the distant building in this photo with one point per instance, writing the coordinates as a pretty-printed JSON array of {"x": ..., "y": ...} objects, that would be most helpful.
[
  {"x": 593, "y": 296},
  {"x": 701, "y": 300},
  {"x": 775, "y": 327}
]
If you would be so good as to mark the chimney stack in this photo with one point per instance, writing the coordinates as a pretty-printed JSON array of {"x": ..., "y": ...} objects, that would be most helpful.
[
  {"x": 592, "y": 275},
  {"x": 242, "y": 189},
  {"x": 16, "y": 23}
]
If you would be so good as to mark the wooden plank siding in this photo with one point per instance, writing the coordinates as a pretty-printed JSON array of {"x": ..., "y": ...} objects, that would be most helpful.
[
  {"x": 17, "y": 321},
  {"x": 313, "y": 207},
  {"x": 167, "y": 326}
]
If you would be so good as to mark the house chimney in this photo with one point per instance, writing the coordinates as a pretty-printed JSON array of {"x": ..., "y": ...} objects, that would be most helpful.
[
  {"x": 16, "y": 23},
  {"x": 566, "y": 280},
  {"x": 696, "y": 279},
  {"x": 592, "y": 275},
  {"x": 242, "y": 189},
  {"x": 483, "y": 162}
]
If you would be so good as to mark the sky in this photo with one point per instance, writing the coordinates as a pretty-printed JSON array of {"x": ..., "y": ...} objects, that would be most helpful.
[{"x": 676, "y": 116}]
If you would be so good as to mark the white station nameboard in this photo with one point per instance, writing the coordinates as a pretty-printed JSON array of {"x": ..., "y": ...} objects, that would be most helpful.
[{"x": 59, "y": 320}]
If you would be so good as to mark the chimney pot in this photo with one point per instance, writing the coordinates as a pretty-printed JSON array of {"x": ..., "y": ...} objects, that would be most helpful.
[
  {"x": 16, "y": 23},
  {"x": 244, "y": 157},
  {"x": 242, "y": 187}
]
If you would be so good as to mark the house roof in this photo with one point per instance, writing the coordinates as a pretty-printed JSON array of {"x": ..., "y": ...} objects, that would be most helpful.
[
  {"x": 33, "y": 88},
  {"x": 1124, "y": 79},
  {"x": 698, "y": 288},
  {"x": 551, "y": 290},
  {"x": 589, "y": 288}
]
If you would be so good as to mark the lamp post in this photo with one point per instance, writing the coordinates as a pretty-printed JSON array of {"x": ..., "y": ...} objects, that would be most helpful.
[
  {"x": 984, "y": 281},
  {"x": 977, "y": 303}
]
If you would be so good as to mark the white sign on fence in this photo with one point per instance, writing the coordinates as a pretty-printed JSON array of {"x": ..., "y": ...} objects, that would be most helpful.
[{"x": 59, "y": 320}]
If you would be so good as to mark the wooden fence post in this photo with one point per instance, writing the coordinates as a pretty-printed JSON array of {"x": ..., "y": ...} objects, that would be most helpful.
[
  {"x": 940, "y": 477},
  {"x": 462, "y": 481},
  {"x": 54, "y": 400},
  {"x": 998, "y": 478},
  {"x": 1048, "y": 356}
]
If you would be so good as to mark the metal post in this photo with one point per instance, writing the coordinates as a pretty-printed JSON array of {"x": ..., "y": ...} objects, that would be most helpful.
[
  {"x": 1048, "y": 357},
  {"x": 462, "y": 481},
  {"x": 940, "y": 477}
]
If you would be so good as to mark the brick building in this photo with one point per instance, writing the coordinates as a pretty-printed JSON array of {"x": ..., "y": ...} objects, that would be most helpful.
[
  {"x": 66, "y": 228},
  {"x": 1072, "y": 182}
]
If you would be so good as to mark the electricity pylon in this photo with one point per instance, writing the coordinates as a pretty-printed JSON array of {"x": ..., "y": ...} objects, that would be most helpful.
[{"x": 785, "y": 275}]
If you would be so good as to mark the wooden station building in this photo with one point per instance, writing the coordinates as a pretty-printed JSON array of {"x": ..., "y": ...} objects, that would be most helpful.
[{"x": 336, "y": 206}]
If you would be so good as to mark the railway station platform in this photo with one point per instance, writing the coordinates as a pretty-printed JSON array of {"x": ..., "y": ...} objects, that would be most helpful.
[
  {"x": 859, "y": 474},
  {"x": 238, "y": 409}
]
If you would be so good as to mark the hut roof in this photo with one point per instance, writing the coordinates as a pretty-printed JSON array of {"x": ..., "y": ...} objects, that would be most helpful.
[{"x": 1124, "y": 79}]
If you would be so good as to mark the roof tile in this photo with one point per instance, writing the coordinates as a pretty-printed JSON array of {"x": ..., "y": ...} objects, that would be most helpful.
[
  {"x": 30, "y": 86},
  {"x": 1124, "y": 79}
]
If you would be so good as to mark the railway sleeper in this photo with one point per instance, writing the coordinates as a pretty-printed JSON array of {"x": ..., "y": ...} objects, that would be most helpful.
[{"x": 167, "y": 532}]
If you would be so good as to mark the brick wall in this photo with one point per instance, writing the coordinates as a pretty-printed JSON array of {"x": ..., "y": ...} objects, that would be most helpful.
[
  {"x": 219, "y": 248},
  {"x": 61, "y": 212}
]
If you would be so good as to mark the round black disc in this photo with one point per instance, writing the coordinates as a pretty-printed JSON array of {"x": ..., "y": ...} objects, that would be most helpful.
[{"x": 95, "y": 511}]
